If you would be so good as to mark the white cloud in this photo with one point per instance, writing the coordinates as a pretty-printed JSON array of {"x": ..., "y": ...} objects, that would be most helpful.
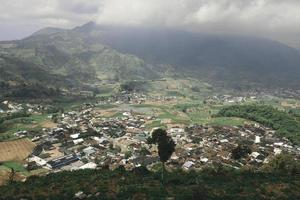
[{"x": 271, "y": 18}]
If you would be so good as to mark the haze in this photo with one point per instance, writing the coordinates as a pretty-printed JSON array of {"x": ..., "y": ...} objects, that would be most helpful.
[{"x": 274, "y": 19}]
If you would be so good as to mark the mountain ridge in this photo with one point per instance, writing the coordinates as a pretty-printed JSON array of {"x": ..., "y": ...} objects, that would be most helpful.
[{"x": 92, "y": 53}]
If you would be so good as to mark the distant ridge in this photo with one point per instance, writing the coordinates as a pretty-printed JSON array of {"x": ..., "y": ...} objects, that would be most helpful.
[
  {"x": 90, "y": 54},
  {"x": 48, "y": 31}
]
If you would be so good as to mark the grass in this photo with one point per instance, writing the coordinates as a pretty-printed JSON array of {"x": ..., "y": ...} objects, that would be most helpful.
[
  {"x": 175, "y": 93},
  {"x": 18, "y": 167},
  {"x": 106, "y": 106},
  {"x": 31, "y": 123},
  {"x": 2, "y": 167},
  {"x": 143, "y": 105},
  {"x": 167, "y": 114},
  {"x": 227, "y": 121},
  {"x": 191, "y": 113},
  {"x": 185, "y": 106},
  {"x": 117, "y": 114},
  {"x": 156, "y": 123},
  {"x": 149, "y": 106}
]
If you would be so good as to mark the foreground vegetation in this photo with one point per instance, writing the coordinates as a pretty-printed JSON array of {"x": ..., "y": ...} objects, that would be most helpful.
[
  {"x": 212, "y": 183},
  {"x": 285, "y": 124}
]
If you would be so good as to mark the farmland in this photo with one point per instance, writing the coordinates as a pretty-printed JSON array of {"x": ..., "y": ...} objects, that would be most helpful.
[
  {"x": 16, "y": 150},
  {"x": 33, "y": 122}
]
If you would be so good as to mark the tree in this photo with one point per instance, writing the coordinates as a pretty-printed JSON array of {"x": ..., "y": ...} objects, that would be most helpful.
[
  {"x": 165, "y": 146},
  {"x": 240, "y": 151},
  {"x": 128, "y": 154},
  {"x": 12, "y": 175},
  {"x": 55, "y": 118},
  {"x": 283, "y": 164}
]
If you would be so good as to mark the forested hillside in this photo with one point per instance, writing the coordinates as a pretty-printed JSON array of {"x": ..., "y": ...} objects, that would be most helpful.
[{"x": 285, "y": 124}]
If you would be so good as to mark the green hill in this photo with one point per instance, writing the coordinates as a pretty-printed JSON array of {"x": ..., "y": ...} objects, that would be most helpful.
[
  {"x": 66, "y": 59},
  {"x": 284, "y": 123}
]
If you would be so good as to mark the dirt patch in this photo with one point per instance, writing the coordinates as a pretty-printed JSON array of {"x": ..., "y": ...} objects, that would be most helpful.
[
  {"x": 16, "y": 150},
  {"x": 4, "y": 176},
  {"x": 107, "y": 113},
  {"x": 54, "y": 153},
  {"x": 291, "y": 105},
  {"x": 48, "y": 124}
]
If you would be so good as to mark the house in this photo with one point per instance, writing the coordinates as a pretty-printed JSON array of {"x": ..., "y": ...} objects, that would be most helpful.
[
  {"x": 187, "y": 165},
  {"x": 89, "y": 150},
  {"x": 224, "y": 141},
  {"x": 75, "y": 136},
  {"x": 78, "y": 141},
  {"x": 255, "y": 154},
  {"x": 39, "y": 161},
  {"x": 257, "y": 139},
  {"x": 89, "y": 165},
  {"x": 62, "y": 161},
  {"x": 204, "y": 160},
  {"x": 277, "y": 151}
]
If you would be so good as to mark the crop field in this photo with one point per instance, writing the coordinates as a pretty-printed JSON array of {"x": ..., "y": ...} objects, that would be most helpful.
[
  {"x": 31, "y": 123},
  {"x": 16, "y": 150}
]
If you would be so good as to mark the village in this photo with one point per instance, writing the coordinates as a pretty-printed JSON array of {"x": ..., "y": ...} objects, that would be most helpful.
[{"x": 88, "y": 139}]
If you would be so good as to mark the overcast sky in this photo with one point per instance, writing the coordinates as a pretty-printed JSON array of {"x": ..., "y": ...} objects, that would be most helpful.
[{"x": 276, "y": 19}]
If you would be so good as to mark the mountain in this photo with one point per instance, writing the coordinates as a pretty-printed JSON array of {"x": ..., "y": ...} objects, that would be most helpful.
[
  {"x": 82, "y": 57},
  {"x": 229, "y": 59},
  {"x": 48, "y": 31},
  {"x": 65, "y": 59}
]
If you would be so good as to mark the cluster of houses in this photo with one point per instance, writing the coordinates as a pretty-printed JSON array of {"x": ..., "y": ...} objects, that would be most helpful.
[
  {"x": 9, "y": 107},
  {"x": 221, "y": 99},
  {"x": 199, "y": 146},
  {"x": 254, "y": 95},
  {"x": 85, "y": 139},
  {"x": 125, "y": 97}
]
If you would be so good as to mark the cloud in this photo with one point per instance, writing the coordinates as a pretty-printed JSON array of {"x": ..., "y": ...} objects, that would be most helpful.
[{"x": 277, "y": 19}]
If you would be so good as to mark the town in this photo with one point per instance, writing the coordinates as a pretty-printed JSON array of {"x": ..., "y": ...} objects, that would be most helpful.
[{"x": 90, "y": 138}]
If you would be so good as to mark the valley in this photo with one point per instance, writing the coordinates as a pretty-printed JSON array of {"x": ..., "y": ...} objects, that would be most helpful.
[
  {"x": 121, "y": 122},
  {"x": 86, "y": 101}
]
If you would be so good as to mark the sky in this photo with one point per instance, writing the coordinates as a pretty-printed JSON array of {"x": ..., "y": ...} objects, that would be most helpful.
[{"x": 274, "y": 19}]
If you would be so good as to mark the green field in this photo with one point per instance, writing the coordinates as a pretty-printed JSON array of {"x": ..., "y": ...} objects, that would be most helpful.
[
  {"x": 18, "y": 167},
  {"x": 156, "y": 123},
  {"x": 31, "y": 123}
]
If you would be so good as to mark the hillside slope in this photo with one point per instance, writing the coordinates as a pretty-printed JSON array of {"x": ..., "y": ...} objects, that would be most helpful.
[
  {"x": 66, "y": 59},
  {"x": 232, "y": 60},
  {"x": 92, "y": 54}
]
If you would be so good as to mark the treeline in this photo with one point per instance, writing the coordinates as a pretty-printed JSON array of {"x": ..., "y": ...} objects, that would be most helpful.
[
  {"x": 285, "y": 124},
  {"x": 133, "y": 86},
  {"x": 13, "y": 116},
  {"x": 32, "y": 91}
]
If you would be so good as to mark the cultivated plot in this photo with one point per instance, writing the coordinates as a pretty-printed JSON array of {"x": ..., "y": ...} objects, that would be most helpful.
[{"x": 16, "y": 150}]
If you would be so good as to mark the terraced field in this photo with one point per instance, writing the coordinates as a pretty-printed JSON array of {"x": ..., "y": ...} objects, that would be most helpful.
[{"x": 16, "y": 150}]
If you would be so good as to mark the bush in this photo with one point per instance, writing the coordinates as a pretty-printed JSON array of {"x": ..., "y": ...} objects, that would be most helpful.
[
  {"x": 283, "y": 164},
  {"x": 241, "y": 151}
]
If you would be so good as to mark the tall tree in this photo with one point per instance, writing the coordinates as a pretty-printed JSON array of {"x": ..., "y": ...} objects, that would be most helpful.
[{"x": 165, "y": 145}]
